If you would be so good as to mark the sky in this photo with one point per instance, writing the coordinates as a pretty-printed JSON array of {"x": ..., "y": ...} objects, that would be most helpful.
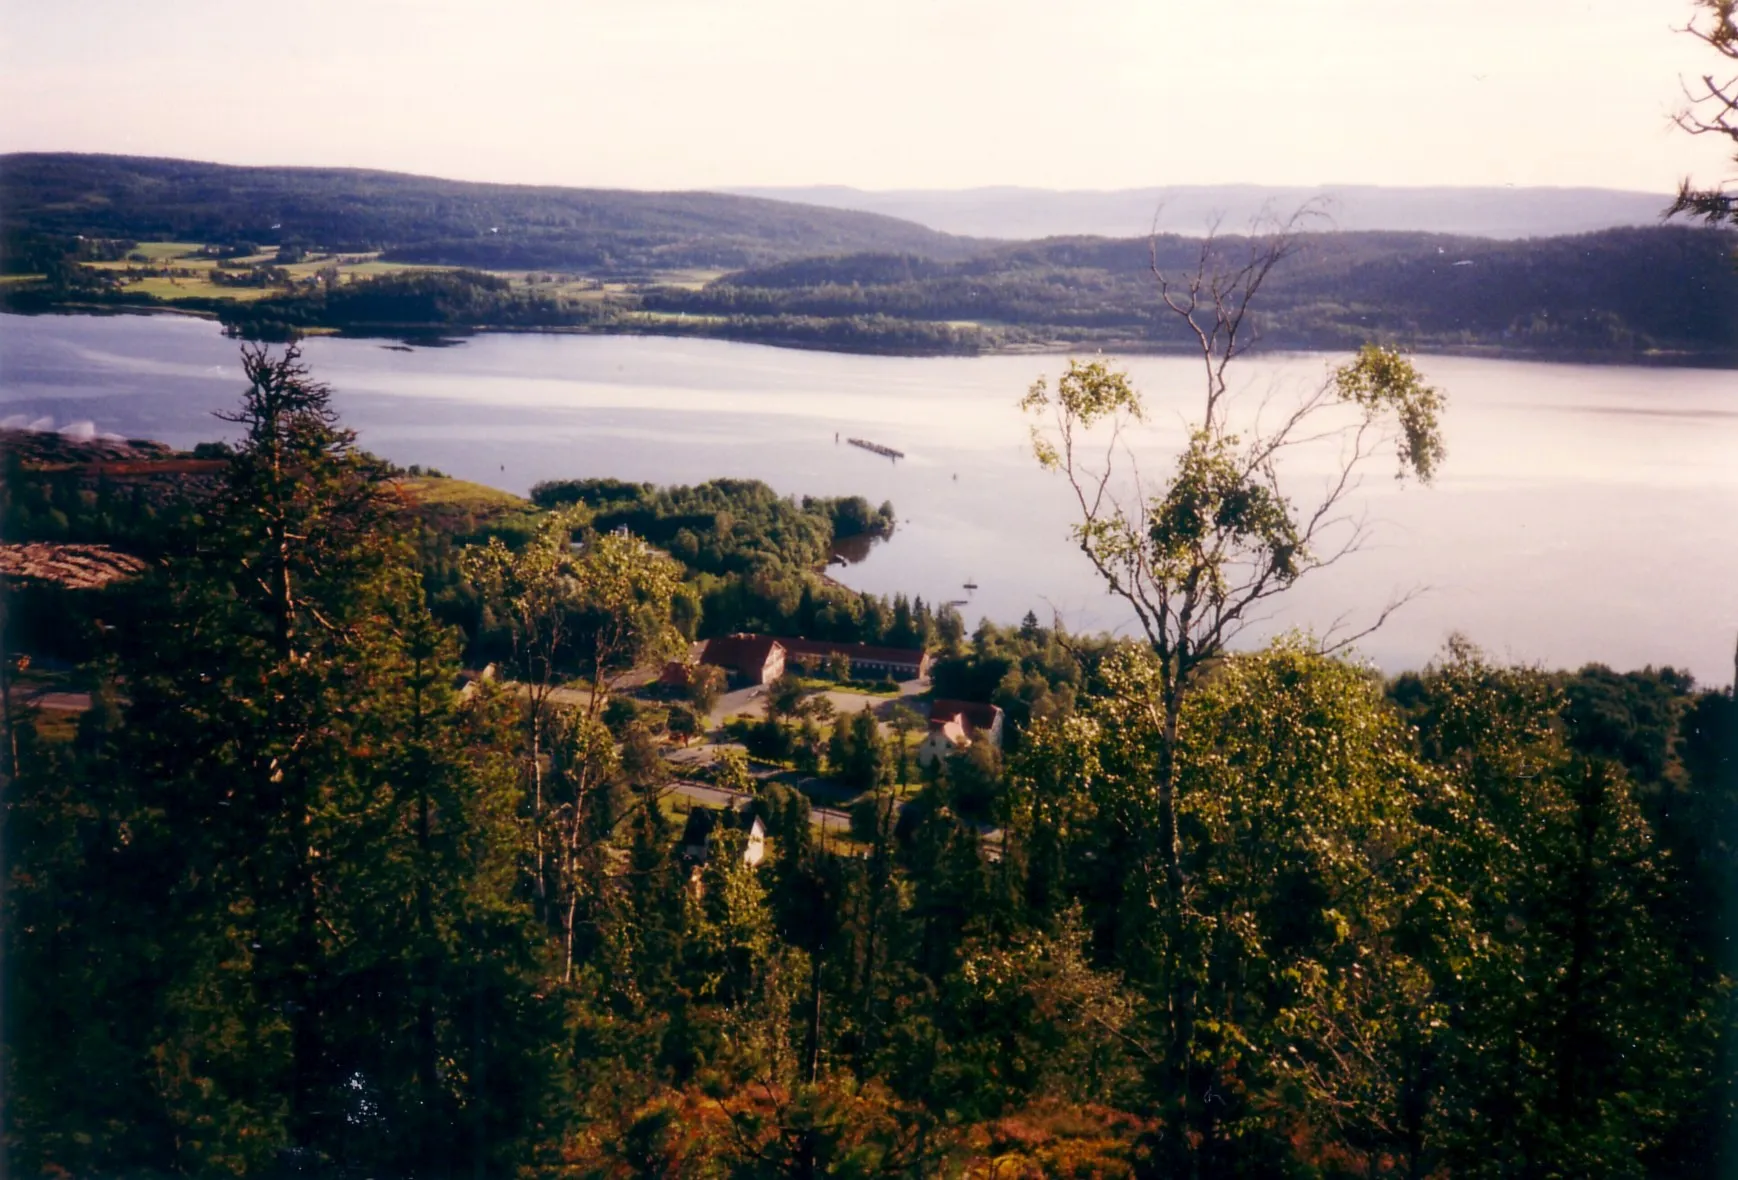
[{"x": 884, "y": 94}]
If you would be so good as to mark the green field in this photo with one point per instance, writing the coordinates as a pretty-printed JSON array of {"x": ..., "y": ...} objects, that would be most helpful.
[
  {"x": 162, "y": 251},
  {"x": 441, "y": 492},
  {"x": 189, "y": 271},
  {"x": 189, "y": 274},
  {"x": 174, "y": 288}
]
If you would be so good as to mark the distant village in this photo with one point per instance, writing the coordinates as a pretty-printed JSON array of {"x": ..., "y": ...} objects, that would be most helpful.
[
  {"x": 751, "y": 661},
  {"x": 750, "y": 664}
]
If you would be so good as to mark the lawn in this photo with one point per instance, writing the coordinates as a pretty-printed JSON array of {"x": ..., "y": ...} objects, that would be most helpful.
[
  {"x": 164, "y": 251},
  {"x": 867, "y": 688},
  {"x": 190, "y": 268},
  {"x": 691, "y": 280},
  {"x": 192, "y": 288},
  {"x": 441, "y": 492}
]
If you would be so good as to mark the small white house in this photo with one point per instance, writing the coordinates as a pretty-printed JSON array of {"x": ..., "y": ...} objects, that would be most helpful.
[
  {"x": 703, "y": 821},
  {"x": 955, "y": 725},
  {"x": 943, "y": 739}
]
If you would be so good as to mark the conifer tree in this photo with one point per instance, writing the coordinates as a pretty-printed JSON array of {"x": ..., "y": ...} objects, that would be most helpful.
[{"x": 333, "y": 890}]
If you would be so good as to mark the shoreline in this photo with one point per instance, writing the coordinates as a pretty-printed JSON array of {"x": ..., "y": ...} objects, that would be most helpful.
[{"x": 440, "y": 335}]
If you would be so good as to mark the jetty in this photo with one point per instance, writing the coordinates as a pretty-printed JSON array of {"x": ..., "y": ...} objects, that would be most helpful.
[{"x": 876, "y": 447}]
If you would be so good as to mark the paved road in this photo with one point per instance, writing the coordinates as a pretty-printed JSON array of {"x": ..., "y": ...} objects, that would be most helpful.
[
  {"x": 827, "y": 818},
  {"x": 752, "y": 701}
]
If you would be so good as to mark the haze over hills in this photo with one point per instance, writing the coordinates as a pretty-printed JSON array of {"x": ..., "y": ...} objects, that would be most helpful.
[
  {"x": 424, "y": 219},
  {"x": 1025, "y": 213},
  {"x": 777, "y": 271}
]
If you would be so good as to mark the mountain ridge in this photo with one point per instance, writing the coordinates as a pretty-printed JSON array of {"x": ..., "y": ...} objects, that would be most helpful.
[
  {"x": 1014, "y": 212},
  {"x": 432, "y": 220}
]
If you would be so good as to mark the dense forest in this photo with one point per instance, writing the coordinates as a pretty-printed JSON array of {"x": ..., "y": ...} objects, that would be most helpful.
[
  {"x": 1618, "y": 292},
  {"x": 293, "y": 896}
]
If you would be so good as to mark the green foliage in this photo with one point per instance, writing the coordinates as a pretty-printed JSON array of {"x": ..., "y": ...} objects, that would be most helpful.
[
  {"x": 725, "y": 526},
  {"x": 1617, "y": 292},
  {"x": 1552, "y": 950},
  {"x": 683, "y": 724},
  {"x": 406, "y": 301},
  {"x": 857, "y": 754},
  {"x": 1381, "y": 380},
  {"x": 730, "y": 770},
  {"x": 315, "y": 842},
  {"x": 592, "y": 608},
  {"x": 285, "y": 899}
]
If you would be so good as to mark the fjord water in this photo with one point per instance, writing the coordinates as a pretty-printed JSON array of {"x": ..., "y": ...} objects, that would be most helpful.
[{"x": 1585, "y": 513}]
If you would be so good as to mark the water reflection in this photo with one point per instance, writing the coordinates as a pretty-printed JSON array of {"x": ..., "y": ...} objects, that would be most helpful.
[
  {"x": 855, "y": 550},
  {"x": 1566, "y": 527}
]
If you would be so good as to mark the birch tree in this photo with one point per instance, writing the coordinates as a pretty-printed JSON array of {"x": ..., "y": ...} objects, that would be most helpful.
[{"x": 1197, "y": 556}]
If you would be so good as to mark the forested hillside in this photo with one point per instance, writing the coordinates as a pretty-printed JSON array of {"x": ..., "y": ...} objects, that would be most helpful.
[
  {"x": 423, "y": 219},
  {"x": 1619, "y": 291},
  {"x": 274, "y": 252},
  {"x": 291, "y": 893}
]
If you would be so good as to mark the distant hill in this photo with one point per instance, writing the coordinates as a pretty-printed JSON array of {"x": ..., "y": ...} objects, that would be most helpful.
[
  {"x": 1026, "y": 213},
  {"x": 1619, "y": 294},
  {"x": 422, "y": 219}
]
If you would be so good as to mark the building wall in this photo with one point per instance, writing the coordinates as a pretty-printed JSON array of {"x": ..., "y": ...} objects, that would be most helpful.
[
  {"x": 935, "y": 744},
  {"x": 775, "y": 665}
]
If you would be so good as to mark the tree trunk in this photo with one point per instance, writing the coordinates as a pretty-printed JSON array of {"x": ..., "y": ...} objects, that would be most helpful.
[
  {"x": 1180, "y": 984},
  {"x": 877, "y": 894},
  {"x": 572, "y": 915},
  {"x": 814, "y": 1046},
  {"x": 305, "y": 1050},
  {"x": 427, "y": 1052},
  {"x": 539, "y": 882}
]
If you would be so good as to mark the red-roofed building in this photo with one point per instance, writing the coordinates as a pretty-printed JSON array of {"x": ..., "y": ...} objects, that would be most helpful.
[
  {"x": 754, "y": 659},
  {"x": 954, "y": 725},
  {"x": 867, "y": 660}
]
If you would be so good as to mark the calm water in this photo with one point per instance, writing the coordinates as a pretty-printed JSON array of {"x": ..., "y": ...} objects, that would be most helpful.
[{"x": 1585, "y": 513}]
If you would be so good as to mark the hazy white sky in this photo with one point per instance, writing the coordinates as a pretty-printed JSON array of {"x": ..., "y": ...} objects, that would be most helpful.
[{"x": 873, "y": 93}]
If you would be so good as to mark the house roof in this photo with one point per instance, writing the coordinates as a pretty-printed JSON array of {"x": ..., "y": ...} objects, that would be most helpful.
[
  {"x": 951, "y": 729},
  {"x": 701, "y": 823},
  {"x": 742, "y": 652},
  {"x": 972, "y": 715},
  {"x": 863, "y": 652}
]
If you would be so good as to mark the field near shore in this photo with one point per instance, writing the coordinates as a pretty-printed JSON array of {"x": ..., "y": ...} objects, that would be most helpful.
[{"x": 174, "y": 271}]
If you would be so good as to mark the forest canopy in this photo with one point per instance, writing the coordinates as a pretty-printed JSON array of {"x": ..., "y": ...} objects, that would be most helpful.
[{"x": 301, "y": 892}]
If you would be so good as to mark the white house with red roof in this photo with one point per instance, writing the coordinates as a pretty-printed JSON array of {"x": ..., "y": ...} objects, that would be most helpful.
[{"x": 955, "y": 725}]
